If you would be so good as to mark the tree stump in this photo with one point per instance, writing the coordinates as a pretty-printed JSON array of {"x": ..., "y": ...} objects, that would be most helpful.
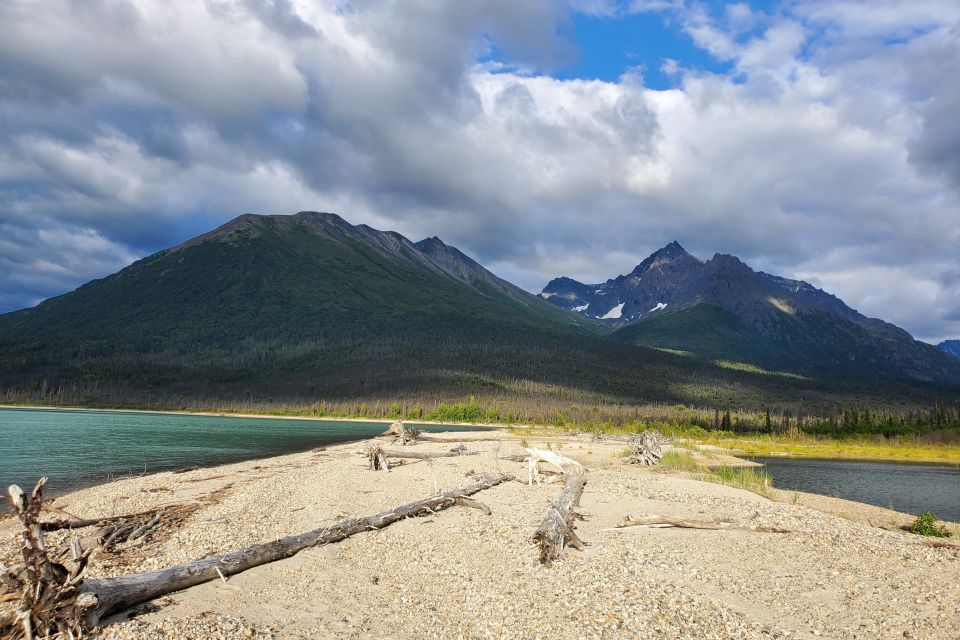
[{"x": 645, "y": 448}]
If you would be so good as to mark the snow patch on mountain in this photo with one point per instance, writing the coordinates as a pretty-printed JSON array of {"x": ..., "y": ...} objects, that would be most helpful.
[
  {"x": 660, "y": 305},
  {"x": 614, "y": 313}
]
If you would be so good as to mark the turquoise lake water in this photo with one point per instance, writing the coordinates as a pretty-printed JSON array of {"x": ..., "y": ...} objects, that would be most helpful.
[{"x": 82, "y": 448}]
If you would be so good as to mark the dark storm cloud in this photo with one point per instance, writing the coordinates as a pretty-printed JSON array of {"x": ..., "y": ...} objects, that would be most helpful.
[{"x": 827, "y": 153}]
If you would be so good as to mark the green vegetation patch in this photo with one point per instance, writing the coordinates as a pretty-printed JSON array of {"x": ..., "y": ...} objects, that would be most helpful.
[
  {"x": 749, "y": 478},
  {"x": 750, "y": 368},
  {"x": 678, "y": 461},
  {"x": 926, "y": 525}
]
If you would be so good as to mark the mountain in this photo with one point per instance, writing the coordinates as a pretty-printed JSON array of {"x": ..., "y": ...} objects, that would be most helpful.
[
  {"x": 293, "y": 276},
  {"x": 308, "y": 308},
  {"x": 950, "y": 347},
  {"x": 309, "y": 305},
  {"x": 659, "y": 281},
  {"x": 722, "y": 309}
]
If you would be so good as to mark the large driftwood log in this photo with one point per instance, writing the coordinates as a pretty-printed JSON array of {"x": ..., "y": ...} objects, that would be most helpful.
[
  {"x": 379, "y": 457},
  {"x": 557, "y": 529},
  {"x": 58, "y": 600}
]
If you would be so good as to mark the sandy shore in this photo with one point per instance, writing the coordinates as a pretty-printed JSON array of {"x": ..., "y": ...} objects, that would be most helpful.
[{"x": 460, "y": 573}]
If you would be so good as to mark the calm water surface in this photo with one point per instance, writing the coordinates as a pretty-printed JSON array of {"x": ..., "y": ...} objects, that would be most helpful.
[
  {"x": 81, "y": 448},
  {"x": 910, "y": 488}
]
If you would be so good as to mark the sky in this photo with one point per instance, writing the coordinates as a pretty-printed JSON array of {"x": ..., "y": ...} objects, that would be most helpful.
[{"x": 814, "y": 139}]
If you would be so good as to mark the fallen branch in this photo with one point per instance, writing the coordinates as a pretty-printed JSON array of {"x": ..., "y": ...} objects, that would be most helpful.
[
  {"x": 557, "y": 529},
  {"x": 80, "y": 523},
  {"x": 379, "y": 457},
  {"x": 662, "y": 522},
  {"x": 61, "y": 601}
]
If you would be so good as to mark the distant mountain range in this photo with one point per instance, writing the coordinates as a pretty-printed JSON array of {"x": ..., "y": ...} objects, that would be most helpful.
[
  {"x": 308, "y": 305},
  {"x": 723, "y": 309},
  {"x": 950, "y": 347}
]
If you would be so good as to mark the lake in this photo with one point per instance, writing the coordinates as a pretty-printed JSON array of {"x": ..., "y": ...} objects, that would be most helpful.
[
  {"x": 910, "y": 488},
  {"x": 81, "y": 448}
]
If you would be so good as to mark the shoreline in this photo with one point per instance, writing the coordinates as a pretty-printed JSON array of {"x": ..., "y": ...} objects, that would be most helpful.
[
  {"x": 265, "y": 416},
  {"x": 706, "y": 444},
  {"x": 461, "y": 573}
]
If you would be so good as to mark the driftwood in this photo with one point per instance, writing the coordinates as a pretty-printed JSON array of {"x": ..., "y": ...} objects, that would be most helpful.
[
  {"x": 662, "y": 522},
  {"x": 58, "y": 600},
  {"x": 557, "y": 529},
  {"x": 402, "y": 433},
  {"x": 378, "y": 456},
  {"x": 535, "y": 456},
  {"x": 645, "y": 447}
]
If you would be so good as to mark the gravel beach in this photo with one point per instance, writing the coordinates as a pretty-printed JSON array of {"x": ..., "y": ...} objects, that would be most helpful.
[{"x": 462, "y": 574}]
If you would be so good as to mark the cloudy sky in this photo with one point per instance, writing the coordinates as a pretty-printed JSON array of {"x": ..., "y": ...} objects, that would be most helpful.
[{"x": 813, "y": 138}]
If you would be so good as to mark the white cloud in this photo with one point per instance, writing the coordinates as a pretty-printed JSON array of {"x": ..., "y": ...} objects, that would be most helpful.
[{"x": 827, "y": 150}]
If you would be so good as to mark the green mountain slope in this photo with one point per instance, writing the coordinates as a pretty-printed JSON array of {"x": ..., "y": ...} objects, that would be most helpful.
[
  {"x": 809, "y": 342},
  {"x": 309, "y": 307}
]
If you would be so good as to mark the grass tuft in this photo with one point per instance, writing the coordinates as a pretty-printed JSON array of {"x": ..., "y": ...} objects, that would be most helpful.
[
  {"x": 679, "y": 461},
  {"x": 749, "y": 478}
]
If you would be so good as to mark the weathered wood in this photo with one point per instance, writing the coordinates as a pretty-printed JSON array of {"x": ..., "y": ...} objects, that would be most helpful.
[
  {"x": 662, "y": 522},
  {"x": 557, "y": 529},
  {"x": 402, "y": 433},
  {"x": 536, "y": 456},
  {"x": 379, "y": 457},
  {"x": 48, "y": 601},
  {"x": 83, "y": 603},
  {"x": 645, "y": 448},
  {"x": 476, "y": 504},
  {"x": 80, "y": 523}
]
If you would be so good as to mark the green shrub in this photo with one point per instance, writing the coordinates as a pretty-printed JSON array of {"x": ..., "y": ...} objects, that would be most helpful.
[{"x": 926, "y": 525}]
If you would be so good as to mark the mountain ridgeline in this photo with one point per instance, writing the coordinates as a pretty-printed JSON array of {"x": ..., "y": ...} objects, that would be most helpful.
[
  {"x": 723, "y": 309},
  {"x": 308, "y": 307},
  {"x": 950, "y": 347}
]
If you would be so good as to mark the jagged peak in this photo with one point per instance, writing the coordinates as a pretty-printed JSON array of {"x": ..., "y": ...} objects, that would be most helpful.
[
  {"x": 669, "y": 253},
  {"x": 433, "y": 241},
  {"x": 727, "y": 260},
  {"x": 562, "y": 281}
]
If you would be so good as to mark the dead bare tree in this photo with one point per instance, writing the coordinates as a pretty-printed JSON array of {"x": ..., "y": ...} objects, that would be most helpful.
[{"x": 56, "y": 599}]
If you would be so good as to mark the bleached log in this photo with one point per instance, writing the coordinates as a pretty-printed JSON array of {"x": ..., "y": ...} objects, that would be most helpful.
[
  {"x": 86, "y": 602},
  {"x": 536, "y": 456},
  {"x": 557, "y": 529}
]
